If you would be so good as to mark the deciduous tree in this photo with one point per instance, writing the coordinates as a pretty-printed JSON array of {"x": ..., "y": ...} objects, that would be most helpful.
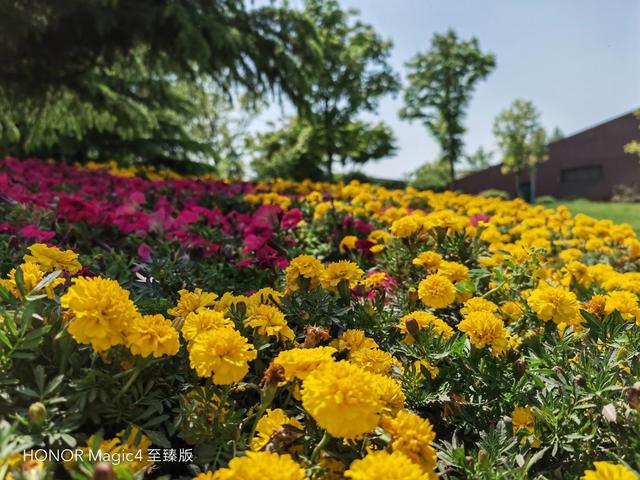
[
  {"x": 522, "y": 140},
  {"x": 440, "y": 84},
  {"x": 351, "y": 77}
]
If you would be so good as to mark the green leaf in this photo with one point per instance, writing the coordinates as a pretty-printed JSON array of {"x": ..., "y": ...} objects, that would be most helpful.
[
  {"x": 39, "y": 376},
  {"x": 4, "y": 339},
  {"x": 53, "y": 385},
  {"x": 19, "y": 276},
  {"x": 6, "y": 296}
]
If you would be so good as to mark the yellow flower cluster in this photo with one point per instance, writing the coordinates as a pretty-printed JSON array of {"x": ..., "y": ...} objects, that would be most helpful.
[
  {"x": 258, "y": 466},
  {"x": 104, "y": 316}
]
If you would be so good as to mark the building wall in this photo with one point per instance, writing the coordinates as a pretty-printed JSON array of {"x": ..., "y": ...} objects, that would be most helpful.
[{"x": 588, "y": 164}]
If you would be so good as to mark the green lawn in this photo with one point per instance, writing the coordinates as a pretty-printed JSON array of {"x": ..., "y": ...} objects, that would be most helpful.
[{"x": 618, "y": 212}]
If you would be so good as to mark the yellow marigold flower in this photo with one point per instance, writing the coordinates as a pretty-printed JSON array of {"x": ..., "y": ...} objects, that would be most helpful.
[
  {"x": 593, "y": 244},
  {"x": 478, "y": 304},
  {"x": 382, "y": 465},
  {"x": 391, "y": 394},
  {"x": 133, "y": 447},
  {"x": 337, "y": 272},
  {"x": 269, "y": 321},
  {"x": 374, "y": 280},
  {"x": 485, "y": 329},
  {"x": 332, "y": 468},
  {"x": 609, "y": 471},
  {"x": 300, "y": 362},
  {"x": 229, "y": 301},
  {"x": 429, "y": 260},
  {"x": 404, "y": 227},
  {"x": 634, "y": 247},
  {"x": 343, "y": 399},
  {"x": 454, "y": 271},
  {"x": 380, "y": 237},
  {"x": 436, "y": 291},
  {"x": 321, "y": 210},
  {"x": 570, "y": 254},
  {"x": 192, "y": 302},
  {"x": 261, "y": 466},
  {"x": 522, "y": 417},
  {"x": 394, "y": 213},
  {"x": 377, "y": 249},
  {"x": 204, "y": 476},
  {"x": 414, "y": 437},
  {"x": 348, "y": 243},
  {"x": 579, "y": 272},
  {"x": 303, "y": 266},
  {"x": 153, "y": 335},
  {"x": 102, "y": 312},
  {"x": 314, "y": 197},
  {"x": 266, "y": 296},
  {"x": 626, "y": 303},
  {"x": 222, "y": 353},
  {"x": 203, "y": 321},
  {"x": 374, "y": 360},
  {"x": 595, "y": 305},
  {"x": 52, "y": 258},
  {"x": 512, "y": 310},
  {"x": 432, "y": 369},
  {"x": 424, "y": 321},
  {"x": 353, "y": 340},
  {"x": 270, "y": 423},
  {"x": 601, "y": 272},
  {"x": 554, "y": 303},
  {"x": 32, "y": 276}
]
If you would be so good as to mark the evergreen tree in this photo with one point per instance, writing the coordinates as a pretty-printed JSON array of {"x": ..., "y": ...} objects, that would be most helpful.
[{"x": 99, "y": 78}]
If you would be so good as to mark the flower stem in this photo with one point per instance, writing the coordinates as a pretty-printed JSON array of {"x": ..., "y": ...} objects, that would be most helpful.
[
  {"x": 137, "y": 370},
  {"x": 320, "y": 446},
  {"x": 265, "y": 402}
]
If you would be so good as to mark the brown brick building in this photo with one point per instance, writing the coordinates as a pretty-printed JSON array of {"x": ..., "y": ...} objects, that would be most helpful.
[{"x": 588, "y": 164}]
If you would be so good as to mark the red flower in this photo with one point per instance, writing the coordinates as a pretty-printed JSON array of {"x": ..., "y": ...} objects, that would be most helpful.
[{"x": 32, "y": 232}]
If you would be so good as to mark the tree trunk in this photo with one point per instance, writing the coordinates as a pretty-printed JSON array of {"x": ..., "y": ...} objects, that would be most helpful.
[
  {"x": 516, "y": 178},
  {"x": 452, "y": 174},
  {"x": 532, "y": 183},
  {"x": 330, "y": 167}
]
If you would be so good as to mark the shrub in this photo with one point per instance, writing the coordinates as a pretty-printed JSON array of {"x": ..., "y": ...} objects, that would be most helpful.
[
  {"x": 545, "y": 200},
  {"x": 494, "y": 193}
]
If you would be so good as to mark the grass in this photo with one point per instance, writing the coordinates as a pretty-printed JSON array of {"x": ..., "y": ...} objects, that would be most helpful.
[{"x": 618, "y": 212}]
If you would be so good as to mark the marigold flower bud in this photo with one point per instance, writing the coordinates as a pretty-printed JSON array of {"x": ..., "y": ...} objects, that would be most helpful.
[
  {"x": 632, "y": 396},
  {"x": 272, "y": 376},
  {"x": 413, "y": 298},
  {"x": 313, "y": 336},
  {"x": 103, "y": 471},
  {"x": 412, "y": 326},
  {"x": 37, "y": 413}
]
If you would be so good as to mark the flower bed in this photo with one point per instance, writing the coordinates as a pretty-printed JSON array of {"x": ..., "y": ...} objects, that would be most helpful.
[{"x": 166, "y": 327}]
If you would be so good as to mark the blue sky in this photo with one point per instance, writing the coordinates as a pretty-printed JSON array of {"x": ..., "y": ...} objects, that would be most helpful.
[{"x": 577, "y": 60}]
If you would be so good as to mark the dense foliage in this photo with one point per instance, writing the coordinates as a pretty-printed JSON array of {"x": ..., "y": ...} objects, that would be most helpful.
[{"x": 293, "y": 330}]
